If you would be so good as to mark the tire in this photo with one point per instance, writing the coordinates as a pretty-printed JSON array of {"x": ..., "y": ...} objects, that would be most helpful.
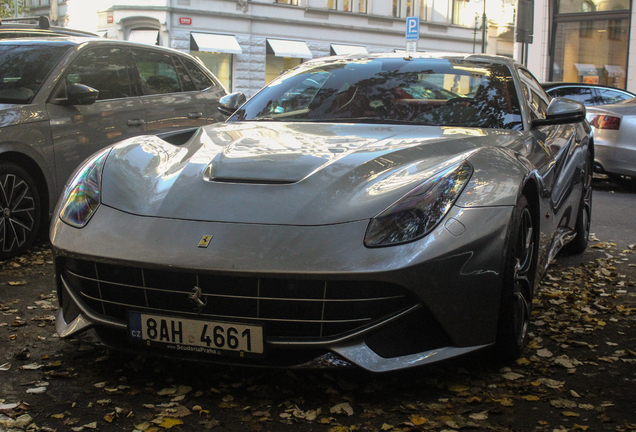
[
  {"x": 518, "y": 284},
  {"x": 20, "y": 210},
  {"x": 584, "y": 216}
]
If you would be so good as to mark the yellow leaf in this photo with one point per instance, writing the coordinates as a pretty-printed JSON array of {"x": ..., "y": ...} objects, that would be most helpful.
[
  {"x": 530, "y": 398},
  {"x": 58, "y": 416},
  {"x": 387, "y": 427},
  {"x": 458, "y": 388},
  {"x": 570, "y": 414},
  {"x": 338, "y": 429},
  {"x": 17, "y": 283},
  {"x": 169, "y": 422},
  {"x": 417, "y": 420},
  {"x": 507, "y": 402},
  {"x": 523, "y": 361},
  {"x": 579, "y": 427},
  {"x": 474, "y": 399}
]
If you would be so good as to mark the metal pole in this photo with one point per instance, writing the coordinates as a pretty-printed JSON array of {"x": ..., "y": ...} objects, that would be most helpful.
[
  {"x": 475, "y": 32},
  {"x": 15, "y": 9},
  {"x": 483, "y": 30}
]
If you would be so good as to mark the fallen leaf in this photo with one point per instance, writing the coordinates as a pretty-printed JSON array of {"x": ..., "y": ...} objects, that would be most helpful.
[
  {"x": 342, "y": 408},
  {"x": 169, "y": 422}
]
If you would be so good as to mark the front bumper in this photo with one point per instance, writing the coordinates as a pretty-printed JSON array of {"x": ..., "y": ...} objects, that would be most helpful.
[{"x": 454, "y": 277}]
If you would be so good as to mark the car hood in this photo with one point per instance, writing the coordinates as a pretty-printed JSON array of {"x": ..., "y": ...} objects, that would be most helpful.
[{"x": 283, "y": 173}]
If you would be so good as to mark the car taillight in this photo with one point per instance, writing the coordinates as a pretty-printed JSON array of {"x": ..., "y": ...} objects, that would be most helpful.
[{"x": 606, "y": 122}]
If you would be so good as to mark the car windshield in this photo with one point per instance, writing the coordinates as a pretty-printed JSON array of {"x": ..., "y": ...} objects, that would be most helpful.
[
  {"x": 394, "y": 90},
  {"x": 24, "y": 68}
]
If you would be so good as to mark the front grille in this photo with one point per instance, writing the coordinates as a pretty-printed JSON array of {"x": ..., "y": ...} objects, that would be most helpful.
[{"x": 289, "y": 308}]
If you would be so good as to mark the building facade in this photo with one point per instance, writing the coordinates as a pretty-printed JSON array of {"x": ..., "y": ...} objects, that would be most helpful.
[
  {"x": 585, "y": 41},
  {"x": 247, "y": 43}
]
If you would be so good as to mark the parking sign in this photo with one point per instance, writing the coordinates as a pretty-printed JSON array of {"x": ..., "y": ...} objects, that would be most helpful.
[{"x": 412, "y": 28}]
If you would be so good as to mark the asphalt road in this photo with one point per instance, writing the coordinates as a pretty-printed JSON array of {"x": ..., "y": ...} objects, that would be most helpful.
[{"x": 578, "y": 372}]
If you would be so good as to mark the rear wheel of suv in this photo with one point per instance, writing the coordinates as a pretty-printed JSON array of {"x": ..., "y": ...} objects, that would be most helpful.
[{"x": 20, "y": 210}]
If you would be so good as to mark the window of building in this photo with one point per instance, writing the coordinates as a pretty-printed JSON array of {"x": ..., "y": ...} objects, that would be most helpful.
[
  {"x": 396, "y": 8},
  {"x": 589, "y": 6},
  {"x": 410, "y": 8},
  {"x": 216, "y": 51},
  {"x": 289, "y": 2},
  {"x": 347, "y": 5},
  {"x": 332, "y": 4},
  {"x": 362, "y": 6},
  {"x": 459, "y": 9},
  {"x": 283, "y": 55},
  {"x": 593, "y": 52},
  {"x": 424, "y": 10}
]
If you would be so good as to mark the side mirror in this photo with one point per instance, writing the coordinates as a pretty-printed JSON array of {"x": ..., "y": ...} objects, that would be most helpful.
[
  {"x": 230, "y": 103},
  {"x": 561, "y": 111},
  {"x": 80, "y": 94}
]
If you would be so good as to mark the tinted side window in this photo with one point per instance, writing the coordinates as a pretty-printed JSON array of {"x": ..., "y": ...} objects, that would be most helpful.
[
  {"x": 613, "y": 96},
  {"x": 201, "y": 80},
  {"x": 579, "y": 94},
  {"x": 103, "y": 69},
  {"x": 186, "y": 80},
  {"x": 157, "y": 71}
]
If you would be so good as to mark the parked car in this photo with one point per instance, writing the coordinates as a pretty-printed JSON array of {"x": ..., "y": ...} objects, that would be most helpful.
[
  {"x": 337, "y": 217},
  {"x": 587, "y": 94},
  {"x": 614, "y": 129},
  {"x": 36, "y": 27},
  {"x": 62, "y": 99}
]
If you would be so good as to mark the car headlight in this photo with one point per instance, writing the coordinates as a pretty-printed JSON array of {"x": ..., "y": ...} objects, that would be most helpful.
[
  {"x": 418, "y": 212},
  {"x": 81, "y": 196}
]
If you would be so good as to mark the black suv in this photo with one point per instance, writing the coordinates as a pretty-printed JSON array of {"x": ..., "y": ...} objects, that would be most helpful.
[{"x": 64, "y": 98}]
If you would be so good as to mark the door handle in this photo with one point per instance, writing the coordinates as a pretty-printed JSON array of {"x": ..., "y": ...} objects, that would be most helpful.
[
  {"x": 194, "y": 115},
  {"x": 135, "y": 122}
]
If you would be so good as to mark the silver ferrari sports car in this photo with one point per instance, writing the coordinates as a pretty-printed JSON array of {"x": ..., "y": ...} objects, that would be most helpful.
[{"x": 384, "y": 211}]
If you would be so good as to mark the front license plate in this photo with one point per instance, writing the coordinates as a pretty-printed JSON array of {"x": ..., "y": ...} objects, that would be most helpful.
[{"x": 211, "y": 337}]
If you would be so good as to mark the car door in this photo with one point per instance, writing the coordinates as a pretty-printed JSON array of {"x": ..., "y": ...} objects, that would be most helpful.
[
  {"x": 169, "y": 94},
  {"x": 560, "y": 144},
  {"x": 81, "y": 130}
]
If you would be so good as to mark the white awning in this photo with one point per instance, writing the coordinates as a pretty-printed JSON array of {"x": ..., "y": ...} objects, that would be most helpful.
[
  {"x": 586, "y": 69},
  {"x": 614, "y": 70},
  {"x": 102, "y": 33},
  {"x": 214, "y": 43},
  {"x": 288, "y": 48},
  {"x": 148, "y": 37},
  {"x": 337, "y": 49}
]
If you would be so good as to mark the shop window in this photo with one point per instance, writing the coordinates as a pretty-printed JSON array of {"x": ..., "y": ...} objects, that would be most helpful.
[
  {"x": 274, "y": 66},
  {"x": 220, "y": 64},
  {"x": 582, "y": 53},
  {"x": 591, "y": 6},
  {"x": 396, "y": 8}
]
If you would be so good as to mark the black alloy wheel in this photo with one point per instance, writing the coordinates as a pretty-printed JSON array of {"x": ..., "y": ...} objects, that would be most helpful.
[
  {"x": 19, "y": 210},
  {"x": 584, "y": 215},
  {"x": 518, "y": 287}
]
